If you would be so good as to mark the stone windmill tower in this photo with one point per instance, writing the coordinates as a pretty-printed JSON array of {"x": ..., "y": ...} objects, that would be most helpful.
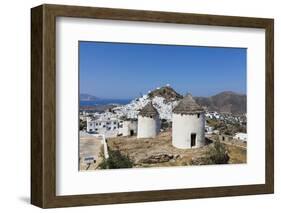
[
  {"x": 188, "y": 124},
  {"x": 148, "y": 122}
]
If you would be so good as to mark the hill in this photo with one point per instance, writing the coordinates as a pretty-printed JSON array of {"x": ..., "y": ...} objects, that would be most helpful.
[
  {"x": 166, "y": 92},
  {"x": 225, "y": 102},
  {"x": 87, "y": 97},
  {"x": 164, "y": 99}
]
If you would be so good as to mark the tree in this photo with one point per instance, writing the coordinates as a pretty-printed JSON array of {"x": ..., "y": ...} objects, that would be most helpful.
[{"x": 82, "y": 124}]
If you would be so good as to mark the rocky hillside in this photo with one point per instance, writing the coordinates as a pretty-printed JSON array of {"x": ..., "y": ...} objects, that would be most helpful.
[
  {"x": 166, "y": 92},
  {"x": 164, "y": 99},
  {"x": 224, "y": 102}
]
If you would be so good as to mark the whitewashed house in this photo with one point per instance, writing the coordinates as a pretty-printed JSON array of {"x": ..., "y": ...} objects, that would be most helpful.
[
  {"x": 148, "y": 122},
  {"x": 188, "y": 124},
  {"x": 111, "y": 126},
  {"x": 241, "y": 136},
  {"x": 209, "y": 129},
  {"x": 84, "y": 115},
  {"x": 127, "y": 127},
  {"x": 103, "y": 125},
  {"x": 212, "y": 115}
]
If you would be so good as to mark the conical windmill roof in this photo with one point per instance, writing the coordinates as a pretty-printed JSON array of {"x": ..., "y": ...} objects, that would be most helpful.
[
  {"x": 148, "y": 110},
  {"x": 187, "y": 106}
]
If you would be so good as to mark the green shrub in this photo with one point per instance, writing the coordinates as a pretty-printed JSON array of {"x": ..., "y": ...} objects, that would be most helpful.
[
  {"x": 215, "y": 154},
  {"x": 82, "y": 124},
  {"x": 116, "y": 161}
]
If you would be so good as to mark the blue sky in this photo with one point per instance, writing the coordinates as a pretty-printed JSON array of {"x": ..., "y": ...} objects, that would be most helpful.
[{"x": 123, "y": 71}]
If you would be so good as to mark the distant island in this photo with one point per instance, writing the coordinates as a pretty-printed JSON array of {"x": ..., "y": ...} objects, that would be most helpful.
[{"x": 87, "y": 97}]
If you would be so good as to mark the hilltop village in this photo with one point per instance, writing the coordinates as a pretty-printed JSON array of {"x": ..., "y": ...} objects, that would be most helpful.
[{"x": 161, "y": 128}]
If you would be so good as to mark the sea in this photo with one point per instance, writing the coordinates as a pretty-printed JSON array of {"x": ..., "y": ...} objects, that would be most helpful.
[{"x": 103, "y": 102}]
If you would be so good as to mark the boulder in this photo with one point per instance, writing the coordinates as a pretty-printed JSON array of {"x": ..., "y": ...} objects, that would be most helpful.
[{"x": 157, "y": 158}]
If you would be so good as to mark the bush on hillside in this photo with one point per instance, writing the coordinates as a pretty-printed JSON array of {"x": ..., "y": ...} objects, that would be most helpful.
[
  {"x": 116, "y": 161},
  {"x": 215, "y": 154}
]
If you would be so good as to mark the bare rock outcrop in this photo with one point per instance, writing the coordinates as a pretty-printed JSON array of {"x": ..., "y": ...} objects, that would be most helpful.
[{"x": 157, "y": 158}]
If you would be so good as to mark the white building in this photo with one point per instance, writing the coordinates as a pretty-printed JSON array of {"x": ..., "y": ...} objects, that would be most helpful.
[
  {"x": 102, "y": 125},
  {"x": 188, "y": 124},
  {"x": 209, "y": 129},
  {"x": 84, "y": 115},
  {"x": 241, "y": 136},
  {"x": 148, "y": 122},
  {"x": 111, "y": 126},
  {"x": 128, "y": 127},
  {"x": 212, "y": 115}
]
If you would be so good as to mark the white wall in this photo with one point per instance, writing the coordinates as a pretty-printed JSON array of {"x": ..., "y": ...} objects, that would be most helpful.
[
  {"x": 127, "y": 127},
  {"x": 184, "y": 126},
  {"x": 148, "y": 127},
  {"x": 15, "y": 105}
]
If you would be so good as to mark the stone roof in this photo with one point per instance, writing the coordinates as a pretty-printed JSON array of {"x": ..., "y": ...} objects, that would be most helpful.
[
  {"x": 148, "y": 110},
  {"x": 187, "y": 106}
]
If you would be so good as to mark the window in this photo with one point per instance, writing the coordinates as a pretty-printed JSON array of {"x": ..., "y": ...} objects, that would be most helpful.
[{"x": 198, "y": 115}]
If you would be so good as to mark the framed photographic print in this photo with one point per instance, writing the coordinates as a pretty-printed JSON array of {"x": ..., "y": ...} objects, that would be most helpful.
[{"x": 136, "y": 106}]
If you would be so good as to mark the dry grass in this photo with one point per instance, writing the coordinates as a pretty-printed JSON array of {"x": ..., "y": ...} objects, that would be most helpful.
[
  {"x": 237, "y": 154},
  {"x": 159, "y": 152}
]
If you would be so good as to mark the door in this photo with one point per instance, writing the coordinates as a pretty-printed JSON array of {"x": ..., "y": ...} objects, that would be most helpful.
[{"x": 193, "y": 139}]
